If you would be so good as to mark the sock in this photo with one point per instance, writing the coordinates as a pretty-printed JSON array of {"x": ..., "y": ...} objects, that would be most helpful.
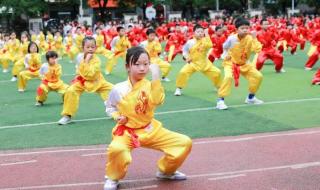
[{"x": 251, "y": 96}]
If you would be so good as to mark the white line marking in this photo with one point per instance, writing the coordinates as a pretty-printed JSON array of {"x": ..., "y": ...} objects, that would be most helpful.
[
  {"x": 55, "y": 186},
  {"x": 19, "y": 163},
  {"x": 258, "y": 137},
  {"x": 95, "y": 154},
  {"x": 163, "y": 113},
  {"x": 143, "y": 187},
  {"x": 7, "y": 81},
  {"x": 52, "y": 151},
  {"x": 238, "y": 172},
  {"x": 227, "y": 177},
  {"x": 46, "y": 151}
]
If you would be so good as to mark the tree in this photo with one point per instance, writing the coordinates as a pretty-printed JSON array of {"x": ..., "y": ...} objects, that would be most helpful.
[{"x": 30, "y": 8}]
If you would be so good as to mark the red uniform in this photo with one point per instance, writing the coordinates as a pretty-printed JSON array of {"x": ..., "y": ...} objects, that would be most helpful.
[
  {"x": 217, "y": 48},
  {"x": 268, "y": 39},
  {"x": 315, "y": 40}
]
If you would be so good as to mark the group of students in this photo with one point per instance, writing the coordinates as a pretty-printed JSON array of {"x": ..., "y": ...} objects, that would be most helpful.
[{"x": 132, "y": 103}]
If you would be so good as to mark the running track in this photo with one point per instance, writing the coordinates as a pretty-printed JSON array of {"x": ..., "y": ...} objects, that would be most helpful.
[{"x": 274, "y": 161}]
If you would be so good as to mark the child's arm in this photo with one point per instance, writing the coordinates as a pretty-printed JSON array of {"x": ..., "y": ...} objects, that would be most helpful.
[
  {"x": 111, "y": 106},
  {"x": 157, "y": 91}
]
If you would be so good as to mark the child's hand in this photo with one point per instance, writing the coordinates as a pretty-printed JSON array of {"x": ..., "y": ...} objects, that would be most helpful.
[
  {"x": 122, "y": 120},
  {"x": 155, "y": 72},
  {"x": 188, "y": 60},
  {"x": 87, "y": 57}
]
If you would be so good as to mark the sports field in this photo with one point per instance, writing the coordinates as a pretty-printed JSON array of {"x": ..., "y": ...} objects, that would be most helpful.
[{"x": 291, "y": 102}]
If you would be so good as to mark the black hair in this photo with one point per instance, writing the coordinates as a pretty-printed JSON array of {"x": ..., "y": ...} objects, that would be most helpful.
[
  {"x": 25, "y": 33},
  {"x": 196, "y": 27},
  {"x": 262, "y": 20},
  {"x": 119, "y": 28},
  {"x": 88, "y": 38},
  {"x": 133, "y": 54},
  {"x": 218, "y": 28},
  {"x": 51, "y": 54},
  {"x": 32, "y": 43},
  {"x": 150, "y": 31},
  {"x": 241, "y": 22}
]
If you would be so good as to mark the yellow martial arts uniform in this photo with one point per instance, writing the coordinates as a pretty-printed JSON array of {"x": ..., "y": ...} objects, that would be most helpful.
[
  {"x": 58, "y": 46},
  {"x": 51, "y": 81},
  {"x": 138, "y": 104},
  {"x": 11, "y": 54},
  {"x": 19, "y": 64},
  {"x": 101, "y": 48},
  {"x": 90, "y": 79},
  {"x": 119, "y": 46},
  {"x": 43, "y": 45},
  {"x": 77, "y": 47},
  {"x": 238, "y": 53},
  {"x": 32, "y": 64},
  {"x": 196, "y": 51},
  {"x": 154, "y": 49}
]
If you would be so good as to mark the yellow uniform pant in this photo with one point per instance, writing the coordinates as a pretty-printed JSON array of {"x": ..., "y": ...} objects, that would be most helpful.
[
  {"x": 103, "y": 51},
  {"x": 24, "y": 76},
  {"x": 175, "y": 147},
  {"x": 249, "y": 72},
  {"x": 213, "y": 73},
  {"x": 6, "y": 58},
  {"x": 45, "y": 89},
  {"x": 113, "y": 61},
  {"x": 311, "y": 50},
  {"x": 165, "y": 67},
  {"x": 18, "y": 67},
  {"x": 72, "y": 96}
]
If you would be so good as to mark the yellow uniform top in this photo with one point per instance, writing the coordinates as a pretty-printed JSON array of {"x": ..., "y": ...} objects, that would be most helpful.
[
  {"x": 120, "y": 44},
  {"x": 33, "y": 61},
  {"x": 137, "y": 102},
  {"x": 99, "y": 40},
  {"x": 153, "y": 48},
  {"x": 13, "y": 46},
  {"x": 51, "y": 75},
  {"x": 196, "y": 51},
  {"x": 24, "y": 48},
  {"x": 240, "y": 49},
  {"x": 78, "y": 40}
]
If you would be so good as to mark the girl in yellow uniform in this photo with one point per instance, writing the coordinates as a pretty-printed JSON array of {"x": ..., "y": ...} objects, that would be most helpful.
[
  {"x": 23, "y": 51},
  {"x": 119, "y": 46},
  {"x": 132, "y": 104},
  {"x": 50, "y": 73},
  {"x": 237, "y": 52},
  {"x": 89, "y": 78},
  {"x": 195, "y": 52},
  {"x": 11, "y": 54},
  {"x": 32, "y": 63},
  {"x": 153, "y": 47},
  {"x": 4, "y": 52},
  {"x": 101, "y": 49}
]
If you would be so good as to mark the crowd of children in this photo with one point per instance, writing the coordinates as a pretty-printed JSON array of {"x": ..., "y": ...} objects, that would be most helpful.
[{"x": 132, "y": 103}]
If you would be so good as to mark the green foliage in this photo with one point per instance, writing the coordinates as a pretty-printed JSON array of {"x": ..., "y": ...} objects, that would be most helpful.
[{"x": 27, "y": 7}]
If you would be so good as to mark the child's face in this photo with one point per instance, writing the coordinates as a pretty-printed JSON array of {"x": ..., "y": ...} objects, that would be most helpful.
[
  {"x": 151, "y": 36},
  {"x": 89, "y": 46},
  {"x": 122, "y": 32},
  {"x": 33, "y": 48},
  {"x": 243, "y": 30},
  {"x": 139, "y": 70},
  {"x": 219, "y": 32},
  {"x": 265, "y": 25},
  {"x": 52, "y": 60},
  {"x": 199, "y": 33},
  {"x": 24, "y": 38},
  {"x": 13, "y": 36}
]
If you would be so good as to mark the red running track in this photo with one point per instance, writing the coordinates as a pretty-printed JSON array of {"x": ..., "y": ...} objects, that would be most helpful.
[{"x": 274, "y": 161}]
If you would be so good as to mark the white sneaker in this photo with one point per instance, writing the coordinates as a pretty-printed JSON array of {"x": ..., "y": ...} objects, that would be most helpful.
[
  {"x": 281, "y": 71},
  {"x": 175, "y": 176},
  {"x": 165, "y": 79},
  {"x": 5, "y": 70},
  {"x": 38, "y": 104},
  {"x": 221, "y": 105},
  {"x": 20, "y": 90},
  {"x": 106, "y": 73},
  {"x": 307, "y": 68},
  {"x": 13, "y": 79},
  {"x": 178, "y": 92},
  {"x": 64, "y": 120},
  {"x": 253, "y": 100},
  {"x": 110, "y": 185}
]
